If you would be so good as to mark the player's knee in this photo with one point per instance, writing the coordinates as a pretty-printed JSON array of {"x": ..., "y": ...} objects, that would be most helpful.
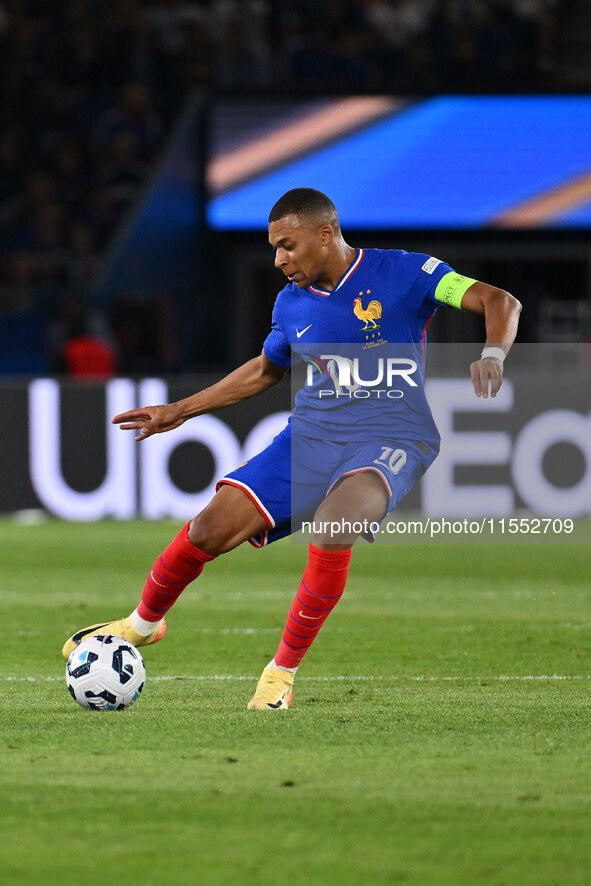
[
  {"x": 208, "y": 534},
  {"x": 229, "y": 519},
  {"x": 359, "y": 497}
]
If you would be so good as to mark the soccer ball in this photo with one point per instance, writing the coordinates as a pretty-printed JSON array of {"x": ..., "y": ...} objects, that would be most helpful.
[{"x": 105, "y": 673}]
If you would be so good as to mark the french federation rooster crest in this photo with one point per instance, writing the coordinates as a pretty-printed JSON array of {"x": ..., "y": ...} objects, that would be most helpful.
[{"x": 369, "y": 316}]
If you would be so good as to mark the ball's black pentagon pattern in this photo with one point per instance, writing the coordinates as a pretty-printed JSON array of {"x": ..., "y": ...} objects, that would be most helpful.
[
  {"x": 105, "y": 672},
  {"x": 84, "y": 668}
]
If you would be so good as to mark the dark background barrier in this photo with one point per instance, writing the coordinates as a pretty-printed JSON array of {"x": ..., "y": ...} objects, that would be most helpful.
[
  {"x": 530, "y": 448},
  {"x": 60, "y": 445}
]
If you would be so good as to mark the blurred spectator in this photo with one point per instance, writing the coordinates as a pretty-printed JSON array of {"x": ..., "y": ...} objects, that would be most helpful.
[
  {"x": 82, "y": 256},
  {"x": 17, "y": 282},
  {"x": 399, "y": 21},
  {"x": 79, "y": 345},
  {"x": 121, "y": 171},
  {"x": 48, "y": 242},
  {"x": 11, "y": 175},
  {"x": 241, "y": 36},
  {"x": 87, "y": 358},
  {"x": 134, "y": 116},
  {"x": 144, "y": 326}
]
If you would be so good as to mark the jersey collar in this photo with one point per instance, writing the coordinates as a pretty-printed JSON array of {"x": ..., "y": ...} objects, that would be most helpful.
[{"x": 350, "y": 270}]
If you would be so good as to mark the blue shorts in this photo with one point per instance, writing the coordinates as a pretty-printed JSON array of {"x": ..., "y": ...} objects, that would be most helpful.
[{"x": 291, "y": 477}]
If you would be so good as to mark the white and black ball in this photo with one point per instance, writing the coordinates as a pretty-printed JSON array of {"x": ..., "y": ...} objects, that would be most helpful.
[{"x": 105, "y": 673}]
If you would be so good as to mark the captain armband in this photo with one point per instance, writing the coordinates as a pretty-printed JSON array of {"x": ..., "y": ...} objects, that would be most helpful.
[{"x": 452, "y": 288}]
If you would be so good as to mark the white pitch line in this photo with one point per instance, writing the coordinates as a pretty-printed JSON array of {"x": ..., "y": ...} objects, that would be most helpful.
[{"x": 340, "y": 678}]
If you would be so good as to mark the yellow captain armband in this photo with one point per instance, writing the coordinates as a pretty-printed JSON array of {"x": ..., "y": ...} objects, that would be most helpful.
[{"x": 452, "y": 288}]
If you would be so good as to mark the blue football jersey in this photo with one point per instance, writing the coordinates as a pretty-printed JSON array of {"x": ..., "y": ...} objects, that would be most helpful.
[{"x": 363, "y": 345}]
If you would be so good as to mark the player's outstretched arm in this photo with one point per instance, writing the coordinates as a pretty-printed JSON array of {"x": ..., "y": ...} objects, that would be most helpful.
[
  {"x": 251, "y": 378},
  {"x": 501, "y": 316}
]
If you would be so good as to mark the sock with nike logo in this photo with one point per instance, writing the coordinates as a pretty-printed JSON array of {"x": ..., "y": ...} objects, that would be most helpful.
[
  {"x": 320, "y": 590},
  {"x": 176, "y": 567}
]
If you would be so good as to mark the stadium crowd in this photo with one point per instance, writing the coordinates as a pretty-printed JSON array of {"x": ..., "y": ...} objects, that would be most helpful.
[{"x": 90, "y": 91}]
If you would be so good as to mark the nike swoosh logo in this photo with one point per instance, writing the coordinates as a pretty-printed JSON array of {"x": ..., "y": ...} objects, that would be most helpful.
[
  {"x": 284, "y": 701},
  {"x": 77, "y": 638},
  {"x": 299, "y": 334},
  {"x": 311, "y": 617},
  {"x": 277, "y": 705},
  {"x": 159, "y": 583}
]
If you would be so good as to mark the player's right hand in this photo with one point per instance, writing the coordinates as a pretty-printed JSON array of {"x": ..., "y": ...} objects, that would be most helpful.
[
  {"x": 150, "y": 420},
  {"x": 483, "y": 372}
]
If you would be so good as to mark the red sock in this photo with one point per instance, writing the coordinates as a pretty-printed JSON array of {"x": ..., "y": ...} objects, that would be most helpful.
[
  {"x": 175, "y": 568},
  {"x": 320, "y": 590}
]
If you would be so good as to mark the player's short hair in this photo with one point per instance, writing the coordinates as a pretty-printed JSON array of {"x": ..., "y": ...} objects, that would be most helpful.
[{"x": 306, "y": 202}]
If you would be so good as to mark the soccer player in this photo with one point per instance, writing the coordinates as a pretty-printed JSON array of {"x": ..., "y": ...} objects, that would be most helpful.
[{"x": 350, "y": 467}]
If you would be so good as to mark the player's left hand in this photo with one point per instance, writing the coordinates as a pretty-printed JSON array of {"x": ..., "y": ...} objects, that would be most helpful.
[
  {"x": 150, "y": 420},
  {"x": 485, "y": 373}
]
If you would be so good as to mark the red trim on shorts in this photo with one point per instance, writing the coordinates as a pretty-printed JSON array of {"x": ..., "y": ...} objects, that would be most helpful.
[
  {"x": 363, "y": 471},
  {"x": 252, "y": 496},
  {"x": 254, "y": 540}
]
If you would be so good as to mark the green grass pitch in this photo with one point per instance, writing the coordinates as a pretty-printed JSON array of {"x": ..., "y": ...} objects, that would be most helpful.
[{"x": 440, "y": 730}]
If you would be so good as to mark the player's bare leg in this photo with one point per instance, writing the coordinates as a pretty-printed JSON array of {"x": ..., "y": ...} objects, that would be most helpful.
[
  {"x": 229, "y": 519},
  {"x": 358, "y": 498}
]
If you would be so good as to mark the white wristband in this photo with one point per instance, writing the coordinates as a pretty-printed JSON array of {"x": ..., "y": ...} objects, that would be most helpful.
[{"x": 498, "y": 353}]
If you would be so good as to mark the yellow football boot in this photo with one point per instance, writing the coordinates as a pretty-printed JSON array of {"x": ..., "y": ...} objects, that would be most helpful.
[
  {"x": 274, "y": 691},
  {"x": 122, "y": 628}
]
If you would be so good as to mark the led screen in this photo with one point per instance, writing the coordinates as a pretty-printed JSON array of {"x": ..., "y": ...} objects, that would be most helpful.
[{"x": 447, "y": 162}]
